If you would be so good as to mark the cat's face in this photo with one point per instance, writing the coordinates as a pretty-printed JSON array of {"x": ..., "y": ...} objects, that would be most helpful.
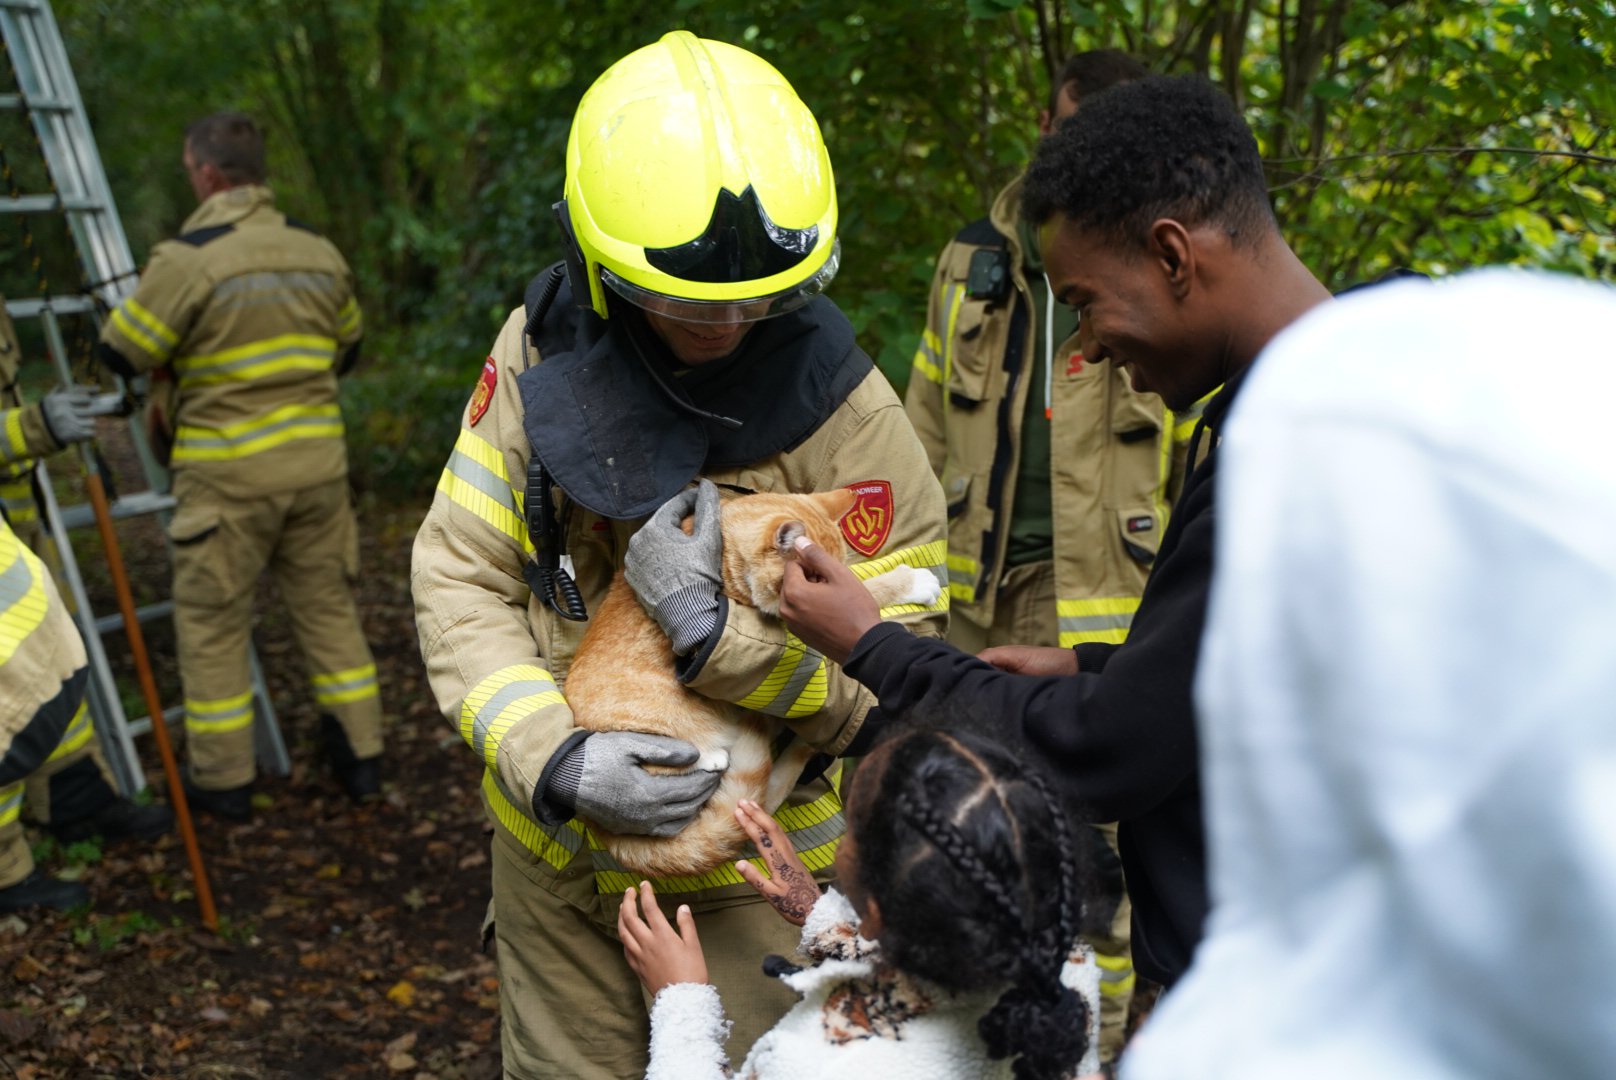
[{"x": 760, "y": 529}]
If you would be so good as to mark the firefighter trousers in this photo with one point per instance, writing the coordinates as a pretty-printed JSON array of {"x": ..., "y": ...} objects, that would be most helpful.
[
  {"x": 309, "y": 541},
  {"x": 1024, "y": 614},
  {"x": 569, "y": 1004}
]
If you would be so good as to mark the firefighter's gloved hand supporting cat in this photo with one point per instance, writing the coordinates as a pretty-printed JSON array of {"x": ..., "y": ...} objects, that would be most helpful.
[
  {"x": 676, "y": 575},
  {"x": 604, "y": 779}
]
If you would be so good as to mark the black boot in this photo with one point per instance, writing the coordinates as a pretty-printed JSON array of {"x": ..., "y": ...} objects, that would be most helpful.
[
  {"x": 360, "y": 777},
  {"x": 119, "y": 819},
  {"x": 37, "y": 890},
  {"x": 232, "y": 803}
]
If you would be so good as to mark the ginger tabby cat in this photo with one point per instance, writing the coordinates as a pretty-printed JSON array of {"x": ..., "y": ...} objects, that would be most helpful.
[{"x": 622, "y": 679}]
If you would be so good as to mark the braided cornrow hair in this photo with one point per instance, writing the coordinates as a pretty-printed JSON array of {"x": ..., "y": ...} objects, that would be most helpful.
[{"x": 968, "y": 856}]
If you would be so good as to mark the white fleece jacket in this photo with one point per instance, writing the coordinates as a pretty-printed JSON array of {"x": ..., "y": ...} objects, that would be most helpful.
[{"x": 856, "y": 1019}]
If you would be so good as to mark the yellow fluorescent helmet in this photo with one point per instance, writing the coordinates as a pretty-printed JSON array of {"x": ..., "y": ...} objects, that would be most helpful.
[{"x": 698, "y": 186}]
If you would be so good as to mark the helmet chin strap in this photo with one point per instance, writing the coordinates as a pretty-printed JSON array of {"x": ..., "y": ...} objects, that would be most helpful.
[{"x": 635, "y": 328}]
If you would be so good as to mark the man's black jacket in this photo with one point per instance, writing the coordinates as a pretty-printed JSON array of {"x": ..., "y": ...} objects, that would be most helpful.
[{"x": 1118, "y": 737}]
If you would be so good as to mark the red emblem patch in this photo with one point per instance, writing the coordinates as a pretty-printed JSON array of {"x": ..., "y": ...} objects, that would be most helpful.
[
  {"x": 1074, "y": 363},
  {"x": 869, "y": 523},
  {"x": 483, "y": 393}
]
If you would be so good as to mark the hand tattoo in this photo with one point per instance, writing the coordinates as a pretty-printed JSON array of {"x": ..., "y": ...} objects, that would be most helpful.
[{"x": 800, "y": 892}]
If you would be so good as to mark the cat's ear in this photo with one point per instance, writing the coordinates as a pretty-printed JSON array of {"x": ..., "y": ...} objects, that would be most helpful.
[
  {"x": 786, "y": 533},
  {"x": 836, "y": 501}
]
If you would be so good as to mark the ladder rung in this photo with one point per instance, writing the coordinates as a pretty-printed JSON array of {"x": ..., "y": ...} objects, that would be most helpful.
[
  {"x": 141, "y": 502},
  {"x": 143, "y": 725},
  {"x": 47, "y": 204},
  {"x": 62, "y": 305},
  {"x": 106, "y": 624},
  {"x": 17, "y": 101},
  {"x": 21, "y": 5}
]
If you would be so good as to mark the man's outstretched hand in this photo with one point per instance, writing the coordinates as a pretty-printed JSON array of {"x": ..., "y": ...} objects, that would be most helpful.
[{"x": 822, "y": 602}]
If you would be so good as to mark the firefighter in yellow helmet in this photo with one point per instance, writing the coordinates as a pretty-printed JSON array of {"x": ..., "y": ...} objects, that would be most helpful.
[{"x": 683, "y": 337}]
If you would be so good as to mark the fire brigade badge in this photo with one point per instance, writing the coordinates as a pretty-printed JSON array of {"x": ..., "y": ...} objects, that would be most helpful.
[
  {"x": 869, "y": 523},
  {"x": 484, "y": 391}
]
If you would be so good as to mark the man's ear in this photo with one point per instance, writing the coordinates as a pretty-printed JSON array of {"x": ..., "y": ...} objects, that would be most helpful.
[{"x": 1174, "y": 252}]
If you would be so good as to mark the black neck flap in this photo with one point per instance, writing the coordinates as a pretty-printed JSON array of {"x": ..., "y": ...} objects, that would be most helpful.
[{"x": 613, "y": 441}]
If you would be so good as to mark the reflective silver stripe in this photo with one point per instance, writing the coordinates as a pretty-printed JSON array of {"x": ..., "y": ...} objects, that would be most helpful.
[
  {"x": 15, "y": 581},
  {"x": 271, "y": 286},
  {"x": 10, "y": 802},
  {"x": 568, "y": 838},
  {"x": 489, "y": 711},
  {"x": 205, "y": 370},
  {"x": 225, "y": 442},
  {"x": 484, "y": 479},
  {"x": 807, "y": 664},
  {"x": 802, "y": 839},
  {"x": 1089, "y": 624}
]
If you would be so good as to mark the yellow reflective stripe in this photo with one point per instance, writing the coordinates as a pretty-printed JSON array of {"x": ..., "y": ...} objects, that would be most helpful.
[
  {"x": 495, "y": 704},
  {"x": 555, "y": 846},
  {"x": 344, "y": 687},
  {"x": 926, "y": 357},
  {"x": 145, "y": 330},
  {"x": 79, "y": 732},
  {"x": 948, "y": 341},
  {"x": 962, "y": 574},
  {"x": 1116, "y": 974},
  {"x": 799, "y": 683},
  {"x": 284, "y": 425},
  {"x": 14, "y": 448},
  {"x": 928, "y": 557},
  {"x": 288, "y": 352},
  {"x": 921, "y": 557},
  {"x": 219, "y": 715},
  {"x": 815, "y": 830},
  {"x": 1104, "y": 619},
  {"x": 22, "y": 593},
  {"x": 348, "y": 318},
  {"x": 10, "y": 803},
  {"x": 476, "y": 480},
  {"x": 797, "y": 686}
]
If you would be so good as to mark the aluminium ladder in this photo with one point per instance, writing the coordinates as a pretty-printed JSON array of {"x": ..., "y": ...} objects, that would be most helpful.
[{"x": 48, "y": 95}]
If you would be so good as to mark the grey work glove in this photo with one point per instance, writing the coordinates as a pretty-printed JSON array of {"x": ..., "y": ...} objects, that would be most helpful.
[
  {"x": 70, "y": 414},
  {"x": 602, "y": 780},
  {"x": 678, "y": 577}
]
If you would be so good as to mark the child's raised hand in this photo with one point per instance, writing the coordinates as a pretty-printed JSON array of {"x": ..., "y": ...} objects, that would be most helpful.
[
  {"x": 659, "y": 954},
  {"x": 791, "y": 888}
]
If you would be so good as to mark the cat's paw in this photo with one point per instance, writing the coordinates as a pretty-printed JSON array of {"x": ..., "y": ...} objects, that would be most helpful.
[
  {"x": 922, "y": 587},
  {"x": 715, "y": 760}
]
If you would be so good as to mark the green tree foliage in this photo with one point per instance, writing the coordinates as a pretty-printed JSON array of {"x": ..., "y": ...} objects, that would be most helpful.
[{"x": 427, "y": 137}]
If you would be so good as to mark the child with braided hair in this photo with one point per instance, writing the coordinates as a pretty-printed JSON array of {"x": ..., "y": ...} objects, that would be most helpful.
[{"x": 950, "y": 951}]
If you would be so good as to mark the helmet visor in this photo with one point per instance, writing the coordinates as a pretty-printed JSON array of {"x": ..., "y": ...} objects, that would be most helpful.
[{"x": 727, "y": 312}]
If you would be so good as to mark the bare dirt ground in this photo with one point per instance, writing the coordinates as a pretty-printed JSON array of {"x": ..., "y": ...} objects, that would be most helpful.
[{"x": 348, "y": 944}]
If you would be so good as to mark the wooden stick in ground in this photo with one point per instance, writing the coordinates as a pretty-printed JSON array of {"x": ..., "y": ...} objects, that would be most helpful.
[{"x": 148, "y": 688}]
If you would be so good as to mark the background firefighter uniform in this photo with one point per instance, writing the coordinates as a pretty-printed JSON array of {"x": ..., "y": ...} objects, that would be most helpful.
[
  {"x": 1054, "y": 517},
  {"x": 25, "y": 437},
  {"x": 254, "y": 311},
  {"x": 497, "y": 661},
  {"x": 42, "y": 681}
]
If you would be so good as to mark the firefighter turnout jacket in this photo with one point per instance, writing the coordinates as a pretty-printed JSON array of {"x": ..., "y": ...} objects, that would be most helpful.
[
  {"x": 24, "y": 438},
  {"x": 42, "y": 660},
  {"x": 255, "y": 313},
  {"x": 1116, "y": 455},
  {"x": 497, "y": 658}
]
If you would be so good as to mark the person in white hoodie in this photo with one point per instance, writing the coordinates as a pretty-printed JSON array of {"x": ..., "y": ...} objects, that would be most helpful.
[
  {"x": 1405, "y": 699},
  {"x": 951, "y": 955}
]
